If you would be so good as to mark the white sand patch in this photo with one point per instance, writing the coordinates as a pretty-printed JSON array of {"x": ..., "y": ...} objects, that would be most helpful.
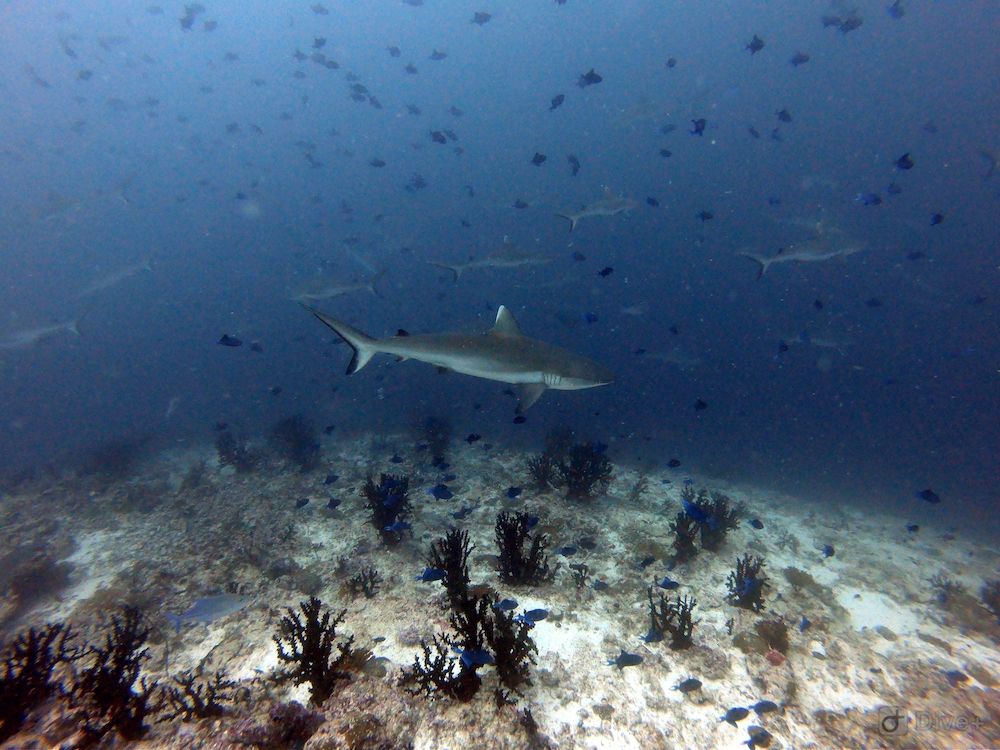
[{"x": 870, "y": 610}]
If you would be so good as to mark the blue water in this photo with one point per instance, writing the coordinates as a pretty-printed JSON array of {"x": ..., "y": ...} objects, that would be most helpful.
[{"x": 908, "y": 402}]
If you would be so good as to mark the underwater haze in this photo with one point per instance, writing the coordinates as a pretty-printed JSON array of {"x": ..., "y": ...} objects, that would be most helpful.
[{"x": 787, "y": 251}]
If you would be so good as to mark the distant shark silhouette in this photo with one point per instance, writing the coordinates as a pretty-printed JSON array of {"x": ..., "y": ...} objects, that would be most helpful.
[
  {"x": 506, "y": 259},
  {"x": 809, "y": 251},
  {"x": 609, "y": 205},
  {"x": 339, "y": 290},
  {"x": 503, "y": 354}
]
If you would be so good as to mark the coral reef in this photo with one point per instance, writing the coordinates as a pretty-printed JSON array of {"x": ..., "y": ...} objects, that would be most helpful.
[
  {"x": 367, "y": 581},
  {"x": 389, "y": 504},
  {"x": 588, "y": 470},
  {"x": 746, "y": 583},
  {"x": 451, "y": 555},
  {"x": 26, "y": 680},
  {"x": 512, "y": 532},
  {"x": 544, "y": 467},
  {"x": 288, "y": 725},
  {"x": 713, "y": 514},
  {"x": 307, "y": 648},
  {"x": 108, "y": 694},
  {"x": 685, "y": 532},
  {"x": 192, "y": 696},
  {"x": 673, "y": 617},
  {"x": 435, "y": 672},
  {"x": 513, "y": 652},
  {"x": 294, "y": 439},
  {"x": 239, "y": 455}
]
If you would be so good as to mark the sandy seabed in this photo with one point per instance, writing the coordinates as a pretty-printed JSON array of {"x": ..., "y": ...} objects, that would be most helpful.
[{"x": 883, "y": 640}]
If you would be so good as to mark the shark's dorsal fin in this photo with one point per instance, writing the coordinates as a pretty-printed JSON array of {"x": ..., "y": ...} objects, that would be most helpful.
[{"x": 506, "y": 324}]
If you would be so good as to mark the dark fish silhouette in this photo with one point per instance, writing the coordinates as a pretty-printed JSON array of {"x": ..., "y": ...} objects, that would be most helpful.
[
  {"x": 735, "y": 714},
  {"x": 869, "y": 199},
  {"x": 473, "y": 438},
  {"x": 520, "y": 204},
  {"x": 930, "y": 496},
  {"x": 705, "y": 216},
  {"x": 700, "y": 405},
  {"x": 557, "y": 100},
  {"x": 671, "y": 62},
  {"x": 438, "y": 137},
  {"x": 893, "y": 189},
  {"x": 689, "y": 685},
  {"x": 673, "y": 463},
  {"x": 904, "y": 162},
  {"x": 652, "y": 202},
  {"x": 413, "y": 109},
  {"x": 756, "y": 45},
  {"x": 800, "y": 58},
  {"x": 395, "y": 51},
  {"x": 605, "y": 272},
  {"x": 589, "y": 79},
  {"x": 625, "y": 660},
  {"x": 481, "y": 18},
  {"x": 850, "y": 24},
  {"x": 897, "y": 10},
  {"x": 538, "y": 159},
  {"x": 668, "y": 128},
  {"x": 319, "y": 42},
  {"x": 319, "y": 10},
  {"x": 435, "y": 55},
  {"x": 699, "y": 126},
  {"x": 666, "y": 153},
  {"x": 411, "y": 69},
  {"x": 574, "y": 164},
  {"x": 936, "y": 219},
  {"x": 376, "y": 162},
  {"x": 753, "y": 131},
  {"x": 784, "y": 115},
  {"x": 451, "y": 134},
  {"x": 228, "y": 340}
]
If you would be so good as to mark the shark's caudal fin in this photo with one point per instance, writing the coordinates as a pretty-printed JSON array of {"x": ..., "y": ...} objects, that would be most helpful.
[
  {"x": 760, "y": 260},
  {"x": 456, "y": 271},
  {"x": 363, "y": 346},
  {"x": 374, "y": 280},
  {"x": 572, "y": 219}
]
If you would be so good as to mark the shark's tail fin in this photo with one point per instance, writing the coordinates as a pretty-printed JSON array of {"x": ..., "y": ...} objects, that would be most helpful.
[
  {"x": 572, "y": 220},
  {"x": 456, "y": 271},
  {"x": 760, "y": 260},
  {"x": 363, "y": 346},
  {"x": 373, "y": 280}
]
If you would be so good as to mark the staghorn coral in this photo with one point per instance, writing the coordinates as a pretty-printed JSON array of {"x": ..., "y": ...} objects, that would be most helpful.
[
  {"x": 589, "y": 470},
  {"x": 685, "y": 531},
  {"x": 294, "y": 438},
  {"x": 451, "y": 555},
  {"x": 713, "y": 515},
  {"x": 307, "y": 648},
  {"x": 512, "y": 531},
  {"x": 26, "y": 680},
  {"x": 192, "y": 696},
  {"x": 513, "y": 651},
  {"x": 746, "y": 583},
  {"x": 673, "y": 617},
  {"x": 389, "y": 505},
  {"x": 108, "y": 694},
  {"x": 367, "y": 581}
]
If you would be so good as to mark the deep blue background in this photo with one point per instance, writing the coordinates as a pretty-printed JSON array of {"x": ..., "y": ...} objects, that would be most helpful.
[{"x": 909, "y": 402}]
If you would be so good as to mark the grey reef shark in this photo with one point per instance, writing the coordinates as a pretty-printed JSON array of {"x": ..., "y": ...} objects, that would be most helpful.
[
  {"x": 609, "y": 205},
  {"x": 503, "y": 354},
  {"x": 810, "y": 251},
  {"x": 507, "y": 258}
]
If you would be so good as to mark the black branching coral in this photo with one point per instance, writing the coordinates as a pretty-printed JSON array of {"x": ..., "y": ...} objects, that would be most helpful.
[
  {"x": 294, "y": 438},
  {"x": 513, "y": 652},
  {"x": 713, "y": 514},
  {"x": 685, "y": 532},
  {"x": 306, "y": 645},
  {"x": 671, "y": 617},
  {"x": 587, "y": 471},
  {"x": 451, "y": 554},
  {"x": 26, "y": 680},
  {"x": 516, "y": 565},
  {"x": 108, "y": 693},
  {"x": 389, "y": 505},
  {"x": 195, "y": 696},
  {"x": 746, "y": 583}
]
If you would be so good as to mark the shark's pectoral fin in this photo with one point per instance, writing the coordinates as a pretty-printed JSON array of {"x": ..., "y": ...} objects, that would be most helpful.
[{"x": 530, "y": 393}]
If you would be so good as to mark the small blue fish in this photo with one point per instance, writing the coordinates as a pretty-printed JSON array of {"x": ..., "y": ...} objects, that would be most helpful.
[
  {"x": 532, "y": 521},
  {"x": 513, "y": 492},
  {"x": 396, "y": 459},
  {"x": 566, "y": 551},
  {"x": 466, "y": 510},
  {"x": 764, "y": 707},
  {"x": 735, "y": 714},
  {"x": 699, "y": 516},
  {"x": 653, "y": 636},
  {"x": 929, "y": 496},
  {"x": 506, "y": 605},
  {"x": 431, "y": 574},
  {"x": 749, "y": 586},
  {"x": 532, "y": 616},
  {"x": 805, "y": 624},
  {"x": 869, "y": 199},
  {"x": 668, "y": 584},
  {"x": 599, "y": 586},
  {"x": 759, "y": 737},
  {"x": 330, "y": 479},
  {"x": 645, "y": 562},
  {"x": 912, "y": 528},
  {"x": 473, "y": 437},
  {"x": 333, "y": 504},
  {"x": 955, "y": 678},
  {"x": 689, "y": 685},
  {"x": 688, "y": 480},
  {"x": 399, "y": 526},
  {"x": 588, "y": 317},
  {"x": 449, "y": 478},
  {"x": 625, "y": 660},
  {"x": 828, "y": 550},
  {"x": 302, "y": 503},
  {"x": 671, "y": 564},
  {"x": 476, "y": 656},
  {"x": 755, "y": 522},
  {"x": 228, "y": 340},
  {"x": 441, "y": 492}
]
